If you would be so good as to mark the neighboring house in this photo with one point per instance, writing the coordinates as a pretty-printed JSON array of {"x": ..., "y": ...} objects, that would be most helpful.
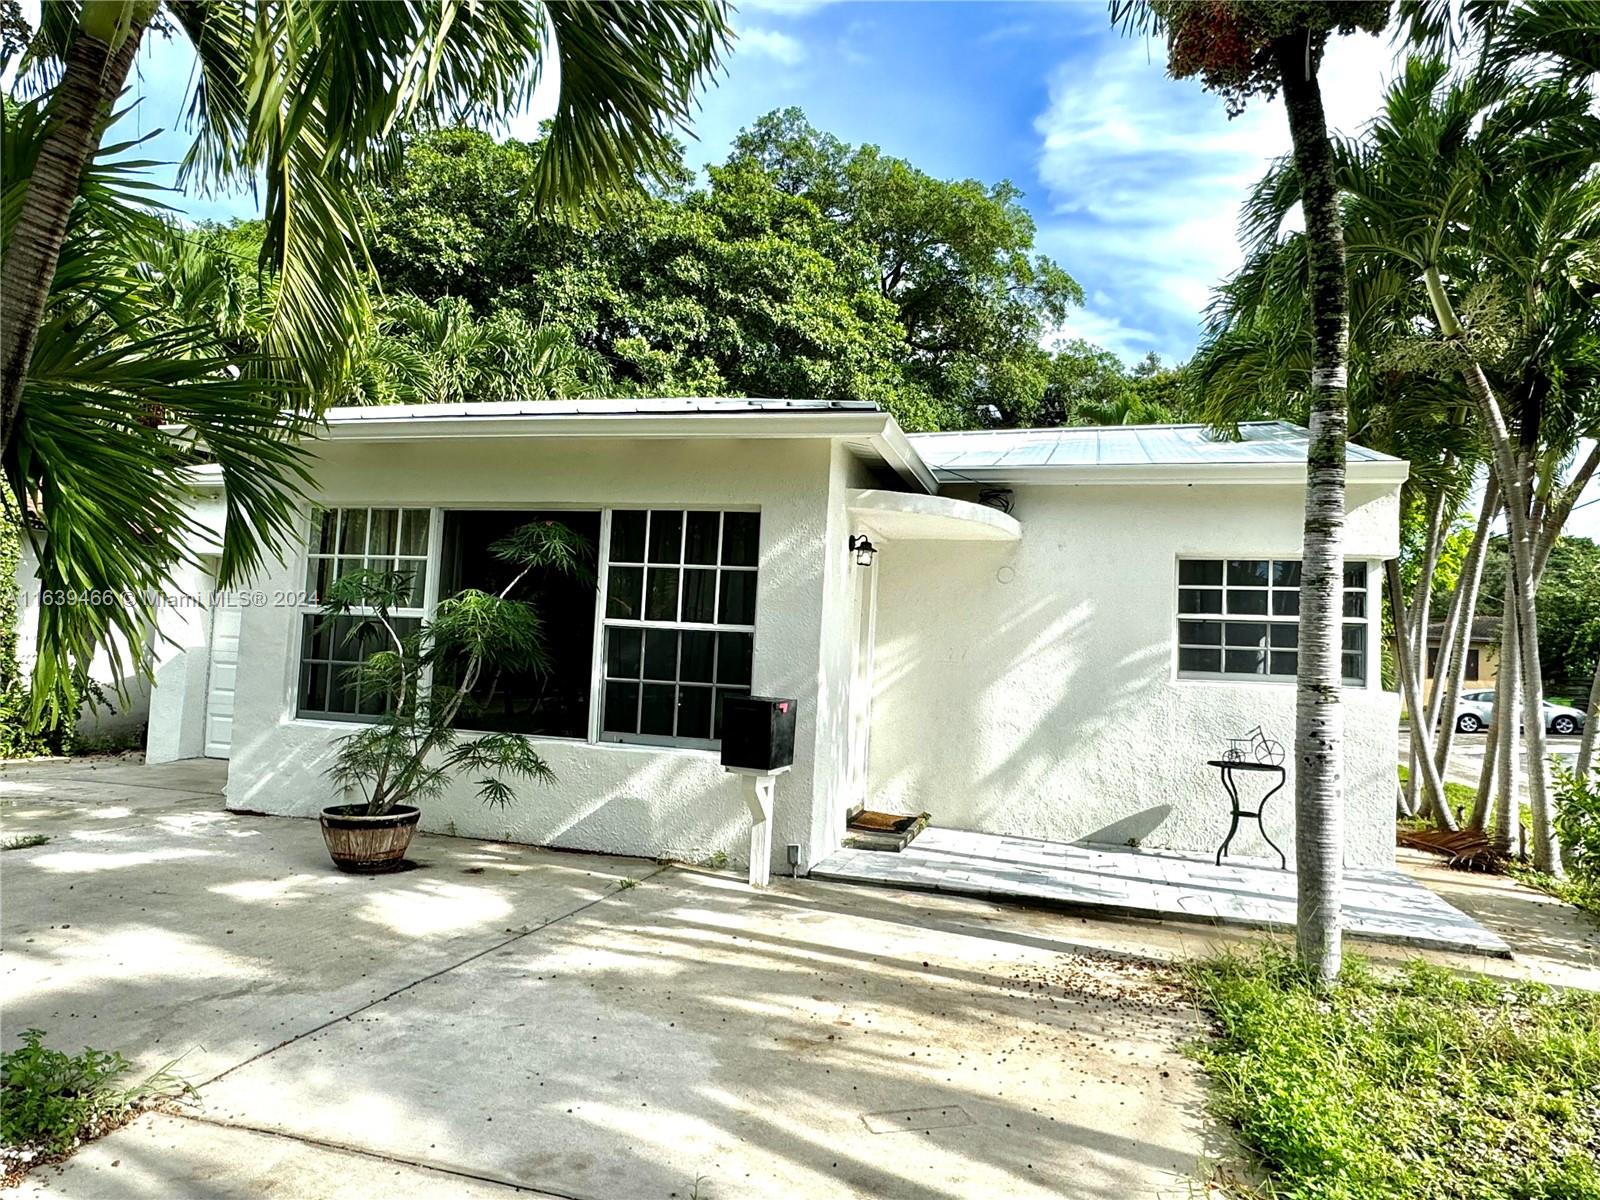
[
  {"x": 1050, "y": 634},
  {"x": 1483, "y": 652}
]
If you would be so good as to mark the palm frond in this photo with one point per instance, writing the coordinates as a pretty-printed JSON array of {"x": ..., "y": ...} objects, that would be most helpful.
[{"x": 628, "y": 78}]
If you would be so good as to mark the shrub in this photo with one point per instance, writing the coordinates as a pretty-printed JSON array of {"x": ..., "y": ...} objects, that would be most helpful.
[
  {"x": 52, "y": 1100},
  {"x": 1578, "y": 823}
]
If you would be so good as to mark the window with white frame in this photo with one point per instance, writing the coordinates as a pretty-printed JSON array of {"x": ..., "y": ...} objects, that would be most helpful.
[
  {"x": 676, "y": 634},
  {"x": 1239, "y": 618},
  {"x": 344, "y": 540},
  {"x": 679, "y": 622}
]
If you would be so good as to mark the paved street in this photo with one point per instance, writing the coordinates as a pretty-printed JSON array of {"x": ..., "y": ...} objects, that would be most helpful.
[{"x": 1466, "y": 754}]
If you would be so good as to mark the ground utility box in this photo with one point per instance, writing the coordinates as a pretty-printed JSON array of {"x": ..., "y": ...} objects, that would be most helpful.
[{"x": 757, "y": 733}]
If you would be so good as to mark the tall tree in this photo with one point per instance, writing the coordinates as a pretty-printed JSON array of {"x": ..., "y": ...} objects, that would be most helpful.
[
  {"x": 1484, "y": 187},
  {"x": 782, "y": 275},
  {"x": 1265, "y": 48},
  {"x": 955, "y": 258}
]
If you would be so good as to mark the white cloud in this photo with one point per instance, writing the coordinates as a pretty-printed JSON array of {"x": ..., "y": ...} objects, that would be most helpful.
[
  {"x": 1105, "y": 330},
  {"x": 1145, "y": 176},
  {"x": 771, "y": 43}
]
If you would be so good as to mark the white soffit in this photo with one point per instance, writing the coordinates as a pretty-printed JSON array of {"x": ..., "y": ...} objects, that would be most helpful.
[{"x": 910, "y": 516}]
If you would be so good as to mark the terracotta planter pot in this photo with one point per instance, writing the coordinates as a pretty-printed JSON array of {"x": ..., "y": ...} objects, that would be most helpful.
[{"x": 366, "y": 845}]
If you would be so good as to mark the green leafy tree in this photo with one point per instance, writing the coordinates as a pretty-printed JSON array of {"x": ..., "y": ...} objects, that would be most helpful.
[
  {"x": 802, "y": 267},
  {"x": 955, "y": 257}
]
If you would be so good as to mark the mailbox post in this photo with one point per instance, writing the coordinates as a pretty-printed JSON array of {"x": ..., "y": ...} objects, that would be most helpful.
[{"x": 758, "y": 742}]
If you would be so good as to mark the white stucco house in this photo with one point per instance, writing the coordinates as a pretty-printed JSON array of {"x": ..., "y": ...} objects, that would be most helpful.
[{"x": 1052, "y": 633}]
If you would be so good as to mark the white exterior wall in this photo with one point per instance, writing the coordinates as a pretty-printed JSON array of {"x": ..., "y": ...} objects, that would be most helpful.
[
  {"x": 181, "y": 647},
  {"x": 613, "y": 798},
  {"x": 1031, "y": 689},
  {"x": 127, "y": 693}
]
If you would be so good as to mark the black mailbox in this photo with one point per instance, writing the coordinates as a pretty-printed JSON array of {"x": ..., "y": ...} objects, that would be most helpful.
[{"x": 757, "y": 733}]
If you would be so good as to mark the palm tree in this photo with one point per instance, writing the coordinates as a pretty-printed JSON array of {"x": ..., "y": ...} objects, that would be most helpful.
[
  {"x": 312, "y": 97},
  {"x": 1484, "y": 188},
  {"x": 129, "y": 379},
  {"x": 1255, "y": 360},
  {"x": 440, "y": 352},
  {"x": 1243, "y": 49}
]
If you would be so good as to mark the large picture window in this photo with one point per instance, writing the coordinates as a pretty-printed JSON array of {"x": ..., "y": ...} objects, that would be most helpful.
[
  {"x": 553, "y": 702},
  {"x": 676, "y": 632},
  {"x": 1240, "y": 618},
  {"x": 679, "y": 621}
]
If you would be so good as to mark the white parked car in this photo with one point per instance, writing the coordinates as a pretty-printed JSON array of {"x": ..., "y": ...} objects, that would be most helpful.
[{"x": 1476, "y": 712}]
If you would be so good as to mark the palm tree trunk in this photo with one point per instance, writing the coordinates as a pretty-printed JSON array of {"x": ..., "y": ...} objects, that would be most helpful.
[
  {"x": 91, "y": 78},
  {"x": 1466, "y": 608},
  {"x": 1507, "y": 809},
  {"x": 1586, "y": 746},
  {"x": 1521, "y": 569},
  {"x": 1422, "y": 753},
  {"x": 1319, "y": 714},
  {"x": 1420, "y": 741},
  {"x": 1416, "y": 645},
  {"x": 1486, "y": 779}
]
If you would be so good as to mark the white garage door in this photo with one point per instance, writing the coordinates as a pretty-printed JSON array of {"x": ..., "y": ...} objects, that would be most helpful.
[{"x": 220, "y": 680}]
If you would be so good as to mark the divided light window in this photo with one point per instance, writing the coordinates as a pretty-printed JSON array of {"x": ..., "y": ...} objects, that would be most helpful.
[
  {"x": 679, "y": 622},
  {"x": 1240, "y": 618},
  {"x": 676, "y": 635},
  {"x": 345, "y": 540}
]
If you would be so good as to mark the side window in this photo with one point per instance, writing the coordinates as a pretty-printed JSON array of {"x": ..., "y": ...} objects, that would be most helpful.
[
  {"x": 345, "y": 540},
  {"x": 1240, "y": 617}
]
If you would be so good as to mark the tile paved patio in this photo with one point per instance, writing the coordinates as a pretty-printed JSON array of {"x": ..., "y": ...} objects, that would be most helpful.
[{"x": 1382, "y": 905}]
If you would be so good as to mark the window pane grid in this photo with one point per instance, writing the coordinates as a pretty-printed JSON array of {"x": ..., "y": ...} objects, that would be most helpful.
[
  {"x": 1240, "y": 617},
  {"x": 344, "y": 540},
  {"x": 676, "y": 629},
  {"x": 331, "y": 648},
  {"x": 679, "y": 624}
]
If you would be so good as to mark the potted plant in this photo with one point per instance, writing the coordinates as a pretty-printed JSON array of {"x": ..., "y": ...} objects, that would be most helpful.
[{"x": 426, "y": 678}]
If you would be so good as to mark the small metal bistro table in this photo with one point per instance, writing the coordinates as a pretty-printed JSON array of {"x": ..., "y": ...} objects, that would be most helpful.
[{"x": 1230, "y": 785}]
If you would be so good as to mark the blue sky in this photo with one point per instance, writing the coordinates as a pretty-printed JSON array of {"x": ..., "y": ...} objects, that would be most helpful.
[{"x": 1133, "y": 179}]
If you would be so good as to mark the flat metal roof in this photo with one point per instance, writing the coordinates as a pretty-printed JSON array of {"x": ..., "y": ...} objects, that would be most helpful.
[
  {"x": 1130, "y": 451},
  {"x": 1265, "y": 451}
]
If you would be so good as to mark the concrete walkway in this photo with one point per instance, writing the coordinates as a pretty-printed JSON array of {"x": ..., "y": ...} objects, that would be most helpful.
[
  {"x": 1382, "y": 905},
  {"x": 1553, "y": 942},
  {"x": 506, "y": 1018}
]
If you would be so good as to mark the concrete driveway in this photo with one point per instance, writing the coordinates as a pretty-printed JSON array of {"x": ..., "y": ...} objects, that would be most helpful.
[{"x": 505, "y": 1018}]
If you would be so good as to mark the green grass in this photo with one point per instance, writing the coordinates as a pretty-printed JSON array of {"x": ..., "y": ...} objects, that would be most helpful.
[
  {"x": 1420, "y": 1086},
  {"x": 1458, "y": 796}
]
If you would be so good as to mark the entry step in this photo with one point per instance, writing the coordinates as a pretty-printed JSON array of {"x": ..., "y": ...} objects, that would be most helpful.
[{"x": 868, "y": 830}]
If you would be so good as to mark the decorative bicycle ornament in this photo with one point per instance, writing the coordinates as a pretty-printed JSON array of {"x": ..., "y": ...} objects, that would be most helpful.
[{"x": 1255, "y": 746}]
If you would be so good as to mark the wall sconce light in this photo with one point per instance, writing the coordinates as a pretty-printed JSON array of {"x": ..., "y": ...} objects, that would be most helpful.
[{"x": 861, "y": 546}]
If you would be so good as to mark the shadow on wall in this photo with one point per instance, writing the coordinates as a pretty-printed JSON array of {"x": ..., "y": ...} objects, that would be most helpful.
[
  {"x": 609, "y": 799},
  {"x": 1007, "y": 716},
  {"x": 1132, "y": 830}
]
